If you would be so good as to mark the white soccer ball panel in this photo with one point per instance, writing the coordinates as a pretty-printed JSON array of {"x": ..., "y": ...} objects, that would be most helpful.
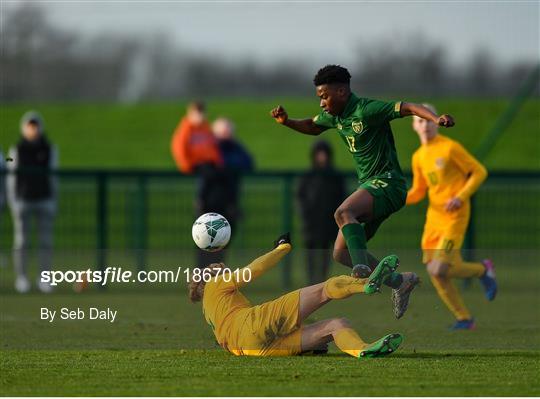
[
  {"x": 200, "y": 235},
  {"x": 211, "y": 232}
]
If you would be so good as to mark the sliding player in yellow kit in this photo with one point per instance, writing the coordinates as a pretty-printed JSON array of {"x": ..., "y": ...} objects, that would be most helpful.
[
  {"x": 451, "y": 175},
  {"x": 276, "y": 328}
]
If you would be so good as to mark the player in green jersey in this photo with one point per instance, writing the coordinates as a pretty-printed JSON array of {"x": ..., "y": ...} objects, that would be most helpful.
[{"x": 364, "y": 126}]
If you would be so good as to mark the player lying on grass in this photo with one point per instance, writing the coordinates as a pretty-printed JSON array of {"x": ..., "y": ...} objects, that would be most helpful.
[
  {"x": 276, "y": 328},
  {"x": 451, "y": 175},
  {"x": 364, "y": 126}
]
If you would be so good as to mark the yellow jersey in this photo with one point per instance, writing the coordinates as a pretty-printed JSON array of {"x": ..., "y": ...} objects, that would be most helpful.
[
  {"x": 225, "y": 308},
  {"x": 222, "y": 302},
  {"x": 444, "y": 169}
]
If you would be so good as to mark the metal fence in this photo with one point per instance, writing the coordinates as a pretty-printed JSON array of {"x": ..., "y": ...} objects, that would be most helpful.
[{"x": 144, "y": 211}]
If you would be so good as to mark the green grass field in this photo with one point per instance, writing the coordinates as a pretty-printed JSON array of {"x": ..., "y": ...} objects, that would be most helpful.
[
  {"x": 138, "y": 136},
  {"x": 160, "y": 345},
  {"x": 214, "y": 373}
]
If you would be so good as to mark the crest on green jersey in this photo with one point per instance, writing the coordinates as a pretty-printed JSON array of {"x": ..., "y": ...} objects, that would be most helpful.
[{"x": 357, "y": 126}]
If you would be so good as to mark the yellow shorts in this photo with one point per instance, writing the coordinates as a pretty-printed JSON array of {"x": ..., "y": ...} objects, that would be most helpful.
[
  {"x": 271, "y": 329},
  {"x": 442, "y": 244}
]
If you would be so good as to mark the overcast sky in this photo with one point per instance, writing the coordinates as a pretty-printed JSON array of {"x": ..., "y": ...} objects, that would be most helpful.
[{"x": 324, "y": 31}]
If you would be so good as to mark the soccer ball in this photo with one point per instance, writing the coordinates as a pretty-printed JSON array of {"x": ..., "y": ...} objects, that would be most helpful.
[{"x": 211, "y": 232}]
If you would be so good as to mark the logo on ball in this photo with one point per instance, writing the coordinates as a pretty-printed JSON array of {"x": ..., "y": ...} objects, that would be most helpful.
[{"x": 211, "y": 232}]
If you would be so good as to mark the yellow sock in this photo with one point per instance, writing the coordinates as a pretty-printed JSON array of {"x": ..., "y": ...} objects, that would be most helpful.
[
  {"x": 349, "y": 342},
  {"x": 461, "y": 269},
  {"x": 450, "y": 296},
  {"x": 341, "y": 287}
]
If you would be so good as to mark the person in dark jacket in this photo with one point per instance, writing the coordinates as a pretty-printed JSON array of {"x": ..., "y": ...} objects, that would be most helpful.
[
  {"x": 236, "y": 160},
  {"x": 223, "y": 194},
  {"x": 32, "y": 194},
  {"x": 321, "y": 190}
]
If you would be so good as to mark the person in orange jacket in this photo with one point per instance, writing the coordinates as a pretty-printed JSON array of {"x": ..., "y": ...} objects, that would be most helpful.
[
  {"x": 196, "y": 151},
  {"x": 193, "y": 144}
]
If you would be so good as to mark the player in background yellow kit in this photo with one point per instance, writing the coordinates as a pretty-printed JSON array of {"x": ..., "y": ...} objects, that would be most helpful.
[
  {"x": 443, "y": 168},
  {"x": 276, "y": 328}
]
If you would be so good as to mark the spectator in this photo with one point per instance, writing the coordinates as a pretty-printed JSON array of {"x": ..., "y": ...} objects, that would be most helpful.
[
  {"x": 193, "y": 146},
  {"x": 32, "y": 194},
  {"x": 2, "y": 201},
  {"x": 2, "y": 183},
  {"x": 236, "y": 160},
  {"x": 195, "y": 151},
  {"x": 235, "y": 156},
  {"x": 321, "y": 190}
]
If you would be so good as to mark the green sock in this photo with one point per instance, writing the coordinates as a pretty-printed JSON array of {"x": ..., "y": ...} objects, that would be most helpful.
[
  {"x": 373, "y": 261},
  {"x": 355, "y": 237},
  {"x": 394, "y": 280}
]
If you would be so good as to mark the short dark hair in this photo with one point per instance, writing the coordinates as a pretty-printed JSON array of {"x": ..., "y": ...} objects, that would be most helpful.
[{"x": 332, "y": 74}]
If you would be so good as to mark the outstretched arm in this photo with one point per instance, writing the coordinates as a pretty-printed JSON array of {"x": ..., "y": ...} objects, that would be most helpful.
[
  {"x": 262, "y": 264},
  {"x": 232, "y": 280},
  {"x": 305, "y": 126},
  {"x": 408, "y": 109}
]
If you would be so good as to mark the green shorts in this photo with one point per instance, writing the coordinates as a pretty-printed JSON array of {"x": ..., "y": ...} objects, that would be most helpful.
[{"x": 389, "y": 196}]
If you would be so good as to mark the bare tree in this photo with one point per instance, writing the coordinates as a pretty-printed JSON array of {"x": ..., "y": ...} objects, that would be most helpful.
[{"x": 41, "y": 62}]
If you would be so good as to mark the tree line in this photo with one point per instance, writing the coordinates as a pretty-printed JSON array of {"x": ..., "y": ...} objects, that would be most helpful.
[{"x": 40, "y": 62}]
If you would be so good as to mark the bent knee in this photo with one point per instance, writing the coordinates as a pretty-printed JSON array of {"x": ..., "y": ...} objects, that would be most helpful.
[
  {"x": 339, "y": 323},
  {"x": 342, "y": 215}
]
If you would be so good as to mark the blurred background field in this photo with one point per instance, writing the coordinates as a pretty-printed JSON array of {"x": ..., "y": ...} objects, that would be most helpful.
[{"x": 103, "y": 136}]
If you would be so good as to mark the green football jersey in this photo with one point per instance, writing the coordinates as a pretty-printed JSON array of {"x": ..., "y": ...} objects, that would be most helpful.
[{"x": 364, "y": 127}]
